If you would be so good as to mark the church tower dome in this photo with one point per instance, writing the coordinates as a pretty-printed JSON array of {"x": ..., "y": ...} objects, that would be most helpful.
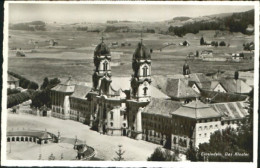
[
  {"x": 141, "y": 52},
  {"x": 102, "y": 59},
  {"x": 102, "y": 50}
]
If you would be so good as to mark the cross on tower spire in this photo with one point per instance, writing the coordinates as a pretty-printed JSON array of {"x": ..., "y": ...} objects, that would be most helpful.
[
  {"x": 142, "y": 36},
  {"x": 102, "y": 38}
]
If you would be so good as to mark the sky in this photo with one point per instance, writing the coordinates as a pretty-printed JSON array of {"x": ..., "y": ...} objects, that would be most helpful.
[{"x": 70, "y": 13}]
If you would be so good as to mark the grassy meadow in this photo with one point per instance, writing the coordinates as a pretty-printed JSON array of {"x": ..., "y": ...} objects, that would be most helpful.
[{"x": 73, "y": 56}]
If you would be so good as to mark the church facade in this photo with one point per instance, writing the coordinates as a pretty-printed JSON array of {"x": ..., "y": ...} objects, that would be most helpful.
[{"x": 131, "y": 106}]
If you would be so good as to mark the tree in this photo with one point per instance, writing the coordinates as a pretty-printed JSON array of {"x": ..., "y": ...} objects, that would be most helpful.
[
  {"x": 51, "y": 157},
  {"x": 12, "y": 91},
  {"x": 236, "y": 75},
  {"x": 192, "y": 153},
  {"x": 163, "y": 155},
  {"x": 45, "y": 83},
  {"x": 202, "y": 42},
  {"x": 120, "y": 154},
  {"x": 33, "y": 86},
  {"x": 222, "y": 43},
  {"x": 197, "y": 53}
]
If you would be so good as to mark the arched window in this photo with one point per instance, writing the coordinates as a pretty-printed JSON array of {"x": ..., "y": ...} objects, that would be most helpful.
[
  {"x": 105, "y": 65},
  {"x": 145, "y": 90},
  {"x": 111, "y": 116},
  {"x": 145, "y": 71}
]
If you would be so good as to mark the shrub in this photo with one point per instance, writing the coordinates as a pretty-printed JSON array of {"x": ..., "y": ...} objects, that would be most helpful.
[
  {"x": 163, "y": 155},
  {"x": 222, "y": 43}
]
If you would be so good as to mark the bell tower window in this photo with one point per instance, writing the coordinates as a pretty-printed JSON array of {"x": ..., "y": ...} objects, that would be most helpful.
[
  {"x": 145, "y": 91},
  {"x": 145, "y": 71},
  {"x": 105, "y": 66}
]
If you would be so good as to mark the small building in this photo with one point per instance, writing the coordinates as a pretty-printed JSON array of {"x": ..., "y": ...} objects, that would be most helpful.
[
  {"x": 12, "y": 82},
  {"x": 250, "y": 29},
  {"x": 185, "y": 43},
  {"x": 20, "y": 54},
  {"x": 237, "y": 57},
  {"x": 191, "y": 55},
  {"x": 206, "y": 54},
  {"x": 53, "y": 42},
  {"x": 45, "y": 111}
]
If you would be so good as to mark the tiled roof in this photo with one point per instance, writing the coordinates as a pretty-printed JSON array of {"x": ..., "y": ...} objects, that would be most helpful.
[
  {"x": 81, "y": 91},
  {"x": 201, "y": 80},
  {"x": 218, "y": 97},
  {"x": 231, "y": 110},
  {"x": 68, "y": 86},
  {"x": 196, "y": 110},
  {"x": 235, "y": 86},
  {"x": 177, "y": 88},
  {"x": 11, "y": 78},
  {"x": 123, "y": 83},
  {"x": 161, "y": 107}
]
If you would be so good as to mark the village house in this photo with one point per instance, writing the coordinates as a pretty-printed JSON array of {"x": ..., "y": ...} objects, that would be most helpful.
[
  {"x": 206, "y": 54},
  {"x": 12, "y": 82}
]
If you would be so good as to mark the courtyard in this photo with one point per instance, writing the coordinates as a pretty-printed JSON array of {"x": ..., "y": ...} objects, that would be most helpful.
[{"x": 105, "y": 145}]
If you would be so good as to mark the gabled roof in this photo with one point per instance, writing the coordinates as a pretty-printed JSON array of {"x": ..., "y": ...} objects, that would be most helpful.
[
  {"x": 199, "y": 78},
  {"x": 81, "y": 91},
  {"x": 196, "y": 110},
  {"x": 67, "y": 86},
  {"x": 235, "y": 86},
  {"x": 11, "y": 78},
  {"x": 161, "y": 107},
  {"x": 217, "y": 97},
  {"x": 177, "y": 88},
  {"x": 231, "y": 110}
]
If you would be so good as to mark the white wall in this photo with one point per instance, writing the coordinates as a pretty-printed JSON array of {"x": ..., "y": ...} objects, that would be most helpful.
[
  {"x": 219, "y": 88},
  {"x": 195, "y": 88},
  {"x": 204, "y": 130}
]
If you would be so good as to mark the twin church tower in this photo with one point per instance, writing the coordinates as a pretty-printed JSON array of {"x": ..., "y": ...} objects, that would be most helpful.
[
  {"x": 117, "y": 111},
  {"x": 141, "y": 65}
]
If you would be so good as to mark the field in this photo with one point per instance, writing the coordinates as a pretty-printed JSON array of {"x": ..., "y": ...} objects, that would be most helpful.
[{"x": 74, "y": 54}]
